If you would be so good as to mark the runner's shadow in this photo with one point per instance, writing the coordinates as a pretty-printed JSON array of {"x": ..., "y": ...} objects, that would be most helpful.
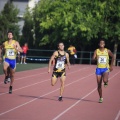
[
  {"x": 76, "y": 99},
  {"x": 45, "y": 98}
]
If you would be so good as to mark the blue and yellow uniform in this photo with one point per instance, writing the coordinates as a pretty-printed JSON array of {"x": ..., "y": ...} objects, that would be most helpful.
[
  {"x": 59, "y": 67},
  {"x": 102, "y": 61},
  {"x": 10, "y": 54}
]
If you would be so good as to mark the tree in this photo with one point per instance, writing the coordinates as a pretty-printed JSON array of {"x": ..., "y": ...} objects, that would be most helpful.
[
  {"x": 70, "y": 21},
  {"x": 28, "y": 31},
  {"x": 8, "y": 21},
  {"x": 76, "y": 21},
  {"x": 109, "y": 27}
]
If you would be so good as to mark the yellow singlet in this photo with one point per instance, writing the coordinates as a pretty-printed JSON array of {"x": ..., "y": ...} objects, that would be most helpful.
[
  {"x": 10, "y": 52},
  {"x": 71, "y": 49},
  {"x": 102, "y": 58}
]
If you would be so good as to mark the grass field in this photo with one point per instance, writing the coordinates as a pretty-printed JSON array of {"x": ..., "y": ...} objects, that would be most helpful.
[{"x": 23, "y": 67}]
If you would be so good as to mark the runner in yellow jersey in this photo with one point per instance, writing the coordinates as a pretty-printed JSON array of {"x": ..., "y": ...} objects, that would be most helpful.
[
  {"x": 59, "y": 57},
  {"x": 102, "y": 56},
  {"x": 11, "y": 47},
  {"x": 72, "y": 52}
]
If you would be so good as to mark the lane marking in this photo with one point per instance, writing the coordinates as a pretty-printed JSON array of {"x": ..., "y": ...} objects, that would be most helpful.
[
  {"x": 118, "y": 116},
  {"x": 26, "y": 86},
  {"x": 26, "y": 70},
  {"x": 39, "y": 74},
  {"x": 39, "y": 82},
  {"x": 62, "y": 113},
  {"x": 43, "y": 95}
]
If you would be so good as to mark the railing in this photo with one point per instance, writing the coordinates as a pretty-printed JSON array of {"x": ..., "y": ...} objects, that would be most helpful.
[{"x": 83, "y": 57}]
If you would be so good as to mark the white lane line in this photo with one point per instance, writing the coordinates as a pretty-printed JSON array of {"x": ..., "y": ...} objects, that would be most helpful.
[
  {"x": 32, "y": 70},
  {"x": 40, "y": 74},
  {"x": 27, "y": 86},
  {"x": 38, "y": 82},
  {"x": 62, "y": 113},
  {"x": 118, "y": 116},
  {"x": 42, "y": 96},
  {"x": 27, "y": 76},
  {"x": 26, "y": 70}
]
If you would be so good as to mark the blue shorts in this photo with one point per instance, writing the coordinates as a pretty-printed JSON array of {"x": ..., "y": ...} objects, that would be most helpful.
[
  {"x": 23, "y": 55},
  {"x": 100, "y": 71},
  {"x": 11, "y": 62}
]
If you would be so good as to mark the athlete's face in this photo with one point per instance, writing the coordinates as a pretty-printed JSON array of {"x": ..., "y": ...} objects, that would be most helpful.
[
  {"x": 102, "y": 44},
  {"x": 26, "y": 44},
  {"x": 61, "y": 46},
  {"x": 10, "y": 35}
]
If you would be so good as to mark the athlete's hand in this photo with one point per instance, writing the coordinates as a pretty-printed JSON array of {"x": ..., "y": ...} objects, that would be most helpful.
[
  {"x": 15, "y": 47},
  {"x": 68, "y": 67},
  {"x": 48, "y": 70},
  {"x": 111, "y": 68}
]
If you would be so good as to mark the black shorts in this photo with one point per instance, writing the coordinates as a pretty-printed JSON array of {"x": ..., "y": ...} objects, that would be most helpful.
[{"x": 58, "y": 74}]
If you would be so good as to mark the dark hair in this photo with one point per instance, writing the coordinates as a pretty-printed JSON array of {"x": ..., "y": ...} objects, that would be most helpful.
[
  {"x": 59, "y": 43},
  {"x": 10, "y": 32},
  {"x": 101, "y": 40}
]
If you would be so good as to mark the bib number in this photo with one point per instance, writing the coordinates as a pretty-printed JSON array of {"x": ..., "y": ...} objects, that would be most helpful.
[
  {"x": 10, "y": 53},
  {"x": 102, "y": 60},
  {"x": 60, "y": 65}
]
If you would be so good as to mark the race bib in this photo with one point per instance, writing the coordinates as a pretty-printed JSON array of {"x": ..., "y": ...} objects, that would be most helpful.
[
  {"x": 60, "y": 65},
  {"x": 10, "y": 53},
  {"x": 102, "y": 60}
]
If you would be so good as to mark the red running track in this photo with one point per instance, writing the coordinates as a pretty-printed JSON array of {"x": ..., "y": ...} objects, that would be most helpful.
[{"x": 34, "y": 98}]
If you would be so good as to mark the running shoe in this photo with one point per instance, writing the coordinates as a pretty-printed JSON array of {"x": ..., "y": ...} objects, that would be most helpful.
[
  {"x": 8, "y": 80},
  {"x": 5, "y": 80},
  {"x": 10, "y": 90},
  {"x": 100, "y": 100},
  {"x": 60, "y": 98},
  {"x": 105, "y": 84}
]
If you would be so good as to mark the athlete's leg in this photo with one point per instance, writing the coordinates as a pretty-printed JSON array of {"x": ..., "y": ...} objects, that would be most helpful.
[
  {"x": 53, "y": 81},
  {"x": 99, "y": 83},
  {"x": 12, "y": 73},
  {"x": 62, "y": 80},
  {"x": 54, "y": 78},
  {"x": 5, "y": 67},
  {"x": 8, "y": 74},
  {"x": 24, "y": 59},
  {"x": 105, "y": 77}
]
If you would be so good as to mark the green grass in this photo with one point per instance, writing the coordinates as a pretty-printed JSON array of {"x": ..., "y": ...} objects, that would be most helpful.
[{"x": 23, "y": 67}]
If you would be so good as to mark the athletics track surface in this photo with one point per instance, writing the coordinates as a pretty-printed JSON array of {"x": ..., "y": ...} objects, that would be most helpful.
[{"x": 34, "y": 98}]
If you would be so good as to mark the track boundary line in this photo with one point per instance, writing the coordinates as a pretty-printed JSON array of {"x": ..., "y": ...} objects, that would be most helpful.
[
  {"x": 26, "y": 86},
  {"x": 26, "y": 70},
  {"x": 37, "y": 83},
  {"x": 118, "y": 115},
  {"x": 43, "y": 95},
  {"x": 73, "y": 105},
  {"x": 35, "y": 75}
]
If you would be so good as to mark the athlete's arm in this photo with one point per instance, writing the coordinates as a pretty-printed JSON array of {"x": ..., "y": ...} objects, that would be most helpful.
[
  {"x": 112, "y": 60},
  {"x": 68, "y": 62},
  {"x": 18, "y": 48},
  {"x": 94, "y": 56},
  {"x": 52, "y": 59}
]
